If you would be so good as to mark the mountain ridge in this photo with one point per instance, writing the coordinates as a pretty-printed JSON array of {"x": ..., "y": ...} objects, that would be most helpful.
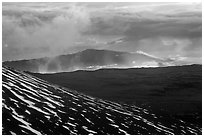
[
  {"x": 162, "y": 88},
  {"x": 89, "y": 59},
  {"x": 125, "y": 68}
]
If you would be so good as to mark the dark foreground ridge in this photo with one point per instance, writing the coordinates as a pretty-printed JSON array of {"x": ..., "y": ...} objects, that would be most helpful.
[
  {"x": 34, "y": 106},
  {"x": 175, "y": 90}
]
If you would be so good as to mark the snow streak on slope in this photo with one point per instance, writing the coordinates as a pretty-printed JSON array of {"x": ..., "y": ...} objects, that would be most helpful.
[{"x": 34, "y": 106}]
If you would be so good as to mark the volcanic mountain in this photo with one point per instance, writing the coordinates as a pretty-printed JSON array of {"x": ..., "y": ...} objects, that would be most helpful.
[
  {"x": 33, "y": 106},
  {"x": 89, "y": 59}
]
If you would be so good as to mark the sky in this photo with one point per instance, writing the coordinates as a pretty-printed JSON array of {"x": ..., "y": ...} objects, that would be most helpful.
[{"x": 163, "y": 30}]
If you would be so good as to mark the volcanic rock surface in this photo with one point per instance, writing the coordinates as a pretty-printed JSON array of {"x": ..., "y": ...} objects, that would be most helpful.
[{"x": 33, "y": 106}]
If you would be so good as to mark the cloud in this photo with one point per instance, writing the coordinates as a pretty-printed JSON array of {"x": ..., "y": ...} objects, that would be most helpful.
[
  {"x": 32, "y": 30},
  {"x": 26, "y": 34},
  {"x": 162, "y": 29},
  {"x": 137, "y": 23}
]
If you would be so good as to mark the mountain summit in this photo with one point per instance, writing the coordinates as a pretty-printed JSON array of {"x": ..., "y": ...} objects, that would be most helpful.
[{"x": 89, "y": 59}]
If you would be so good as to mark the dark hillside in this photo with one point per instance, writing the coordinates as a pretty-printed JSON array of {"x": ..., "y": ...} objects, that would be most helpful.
[
  {"x": 174, "y": 90},
  {"x": 33, "y": 106}
]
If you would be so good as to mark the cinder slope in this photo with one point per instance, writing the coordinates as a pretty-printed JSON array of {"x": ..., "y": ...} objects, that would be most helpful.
[{"x": 34, "y": 106}]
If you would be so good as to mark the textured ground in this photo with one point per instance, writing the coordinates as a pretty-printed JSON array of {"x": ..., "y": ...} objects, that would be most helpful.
[
  {"x": 173, "y": 90},
  {"x": 34, "y": 106}
]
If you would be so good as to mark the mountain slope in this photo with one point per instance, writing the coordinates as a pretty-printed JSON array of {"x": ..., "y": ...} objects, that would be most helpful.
[
  {"x": 34, "y": 106},
  {"x": 176, "y": 89},
  {"x": 88, "y": 59}
]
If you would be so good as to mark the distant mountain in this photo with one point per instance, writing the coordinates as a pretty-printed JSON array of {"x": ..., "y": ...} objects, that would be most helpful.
[
  {"x": 89, "y": 59},
  {"x": 33, "y": 106}
]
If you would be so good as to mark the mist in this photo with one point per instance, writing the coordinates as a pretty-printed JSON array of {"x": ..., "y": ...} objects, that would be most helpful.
[
  {"x": 29, "y": 36},
  {"x": 166, "y": 30}
]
